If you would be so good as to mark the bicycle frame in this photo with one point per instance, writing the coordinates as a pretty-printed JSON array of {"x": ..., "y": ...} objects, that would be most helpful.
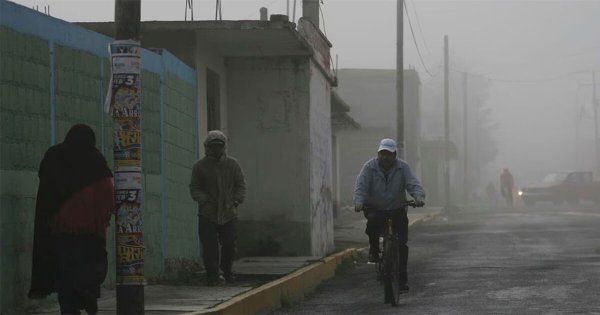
[{"x": 388, "y": 267}]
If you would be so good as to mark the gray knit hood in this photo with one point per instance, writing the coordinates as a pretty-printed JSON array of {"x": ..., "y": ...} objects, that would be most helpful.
[{"x": 215, "y": 135}]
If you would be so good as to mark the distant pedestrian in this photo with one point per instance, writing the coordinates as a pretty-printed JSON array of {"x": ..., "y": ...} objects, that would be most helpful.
[
  {"x": 218, "y": 185},
  {"x": 75, "y": 201},
  {"x": 507, "y": 183}
]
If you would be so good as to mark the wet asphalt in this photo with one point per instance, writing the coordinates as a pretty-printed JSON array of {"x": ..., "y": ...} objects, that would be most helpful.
[{"x": 539, "y": 260}]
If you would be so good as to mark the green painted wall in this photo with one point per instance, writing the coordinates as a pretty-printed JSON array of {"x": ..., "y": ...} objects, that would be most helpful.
[
  {"x": 180, "y": 129},
  {"x": 26, "y": 131},
  {"x": 24, "y": 137}
]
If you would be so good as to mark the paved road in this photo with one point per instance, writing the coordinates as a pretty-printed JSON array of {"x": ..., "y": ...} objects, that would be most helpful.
[{"x": 541, "y": 260}]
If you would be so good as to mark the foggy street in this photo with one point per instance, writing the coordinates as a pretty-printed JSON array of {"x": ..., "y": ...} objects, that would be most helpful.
[
  {"x": 241, "y": 139},
  {"x": 539, "y": 260}
]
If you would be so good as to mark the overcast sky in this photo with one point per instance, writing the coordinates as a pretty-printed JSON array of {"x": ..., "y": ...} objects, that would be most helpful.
[{"x": 507, "y": 41}]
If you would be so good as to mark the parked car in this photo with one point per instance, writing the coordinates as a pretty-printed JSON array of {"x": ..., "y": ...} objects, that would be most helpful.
[{"x": 562, "y": 187}]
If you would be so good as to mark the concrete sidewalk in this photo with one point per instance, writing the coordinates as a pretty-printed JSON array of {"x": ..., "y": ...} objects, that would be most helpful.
[{"x": 264, "y": 283}]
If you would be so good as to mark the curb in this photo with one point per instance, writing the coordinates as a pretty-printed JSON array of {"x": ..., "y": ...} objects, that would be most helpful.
[
  {"x": 281, "y": 291},
  {"x": 291, "y": 287}
]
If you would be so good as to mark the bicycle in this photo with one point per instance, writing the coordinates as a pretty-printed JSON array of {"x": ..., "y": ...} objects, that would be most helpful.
[{"x": 388, "y": 267}]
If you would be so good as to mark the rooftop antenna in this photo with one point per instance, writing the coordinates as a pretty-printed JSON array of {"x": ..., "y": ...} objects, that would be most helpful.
[
  {"x": 218, "y": 12},
  {"x": 189, "y": 6},
  {"x": 294, "y": 14}
]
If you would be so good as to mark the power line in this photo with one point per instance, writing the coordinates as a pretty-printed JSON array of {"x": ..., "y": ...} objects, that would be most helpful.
[
  {"x": 540, "y": 80},
  {"x": 415, "y": 41},
  {"x": 323, "y": 18},
  {"x": 420, "y": 29}
]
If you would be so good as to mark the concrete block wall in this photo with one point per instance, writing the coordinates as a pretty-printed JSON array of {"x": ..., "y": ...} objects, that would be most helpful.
[
  {"x": 180, "y": 153},
  {"x": 54, "y": 74},
  {"x": 24, "y": 137},
  {"x": 151, "y": 153}
]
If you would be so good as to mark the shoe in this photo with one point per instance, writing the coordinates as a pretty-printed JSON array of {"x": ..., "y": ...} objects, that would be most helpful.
[
  {"x": 90, "y": 302},
  {"x": 374, "y": 258},
  {"x": 229, "y": 278},
  {"x": 214, "y": 281}
]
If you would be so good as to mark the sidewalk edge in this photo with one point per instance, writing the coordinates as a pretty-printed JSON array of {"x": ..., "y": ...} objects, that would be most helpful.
[{"x": 289, "y": 288}]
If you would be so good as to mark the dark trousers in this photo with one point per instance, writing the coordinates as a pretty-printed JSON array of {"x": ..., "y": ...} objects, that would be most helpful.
[
  {"x": 217, "y": 238},
  {"x": 375, "y": 224},
  {"x": 82, "y": 266}
]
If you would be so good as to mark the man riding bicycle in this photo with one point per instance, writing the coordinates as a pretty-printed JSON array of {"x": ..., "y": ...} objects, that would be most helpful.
[
  {"x": 380, "y": 192},
  {"x": 507, "y": 183}
]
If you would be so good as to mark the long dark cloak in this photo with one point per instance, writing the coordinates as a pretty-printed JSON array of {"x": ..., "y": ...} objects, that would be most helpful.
[{"x": 65, "y": 169}]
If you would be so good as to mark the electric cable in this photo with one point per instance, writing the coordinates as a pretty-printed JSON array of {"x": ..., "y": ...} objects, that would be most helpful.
[
  {"x": 420, "y": 29},
  {"x": 541, "y": 80},
  {"x": 323, "y": 18},
  {"x": 415, "y": 41}
]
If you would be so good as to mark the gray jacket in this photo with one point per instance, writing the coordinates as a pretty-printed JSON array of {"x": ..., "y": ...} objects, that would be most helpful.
[
  {"x": 218, "y": 186},
  {"x": 376, "y": 191}
]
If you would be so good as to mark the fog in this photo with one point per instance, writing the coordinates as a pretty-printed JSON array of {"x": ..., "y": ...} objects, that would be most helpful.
[{"x": 536, "y": 57}]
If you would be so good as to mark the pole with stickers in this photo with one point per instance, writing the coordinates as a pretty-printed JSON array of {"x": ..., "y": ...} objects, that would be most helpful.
[{"x": 125, "y": 109}]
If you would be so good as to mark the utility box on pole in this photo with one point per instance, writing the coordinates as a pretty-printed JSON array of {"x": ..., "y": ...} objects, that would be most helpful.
[{"x": 126, "y": 111}]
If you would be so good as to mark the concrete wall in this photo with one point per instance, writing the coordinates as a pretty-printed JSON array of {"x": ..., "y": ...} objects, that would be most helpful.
[
  {"x": 321, "y": 181},
  {"x": 53, "y": 75},
  {"x": 207, "y": 58},
  {"x": 269, "y": 120}
]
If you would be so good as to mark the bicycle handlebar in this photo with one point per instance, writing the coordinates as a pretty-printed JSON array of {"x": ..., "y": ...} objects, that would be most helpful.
[{"x": 408, "y": 203}]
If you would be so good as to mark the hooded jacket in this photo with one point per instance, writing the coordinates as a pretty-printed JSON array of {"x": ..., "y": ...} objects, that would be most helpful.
[
  {"x": 218, "y": 185},
  {"x": 379, "y": 192}
]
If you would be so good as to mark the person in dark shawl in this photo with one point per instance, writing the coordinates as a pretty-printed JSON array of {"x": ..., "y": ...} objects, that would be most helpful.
[{"x": 75, "y": 201}]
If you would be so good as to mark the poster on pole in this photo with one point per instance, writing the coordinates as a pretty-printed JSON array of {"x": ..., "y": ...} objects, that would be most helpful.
[{"x": 125, "y": 109}]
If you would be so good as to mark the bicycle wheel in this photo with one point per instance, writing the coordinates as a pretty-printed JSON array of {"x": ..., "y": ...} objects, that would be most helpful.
[{"x": 391, "y": 279}]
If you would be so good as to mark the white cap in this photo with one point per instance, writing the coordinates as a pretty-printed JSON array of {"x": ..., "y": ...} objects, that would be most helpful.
[{"x": 388, "y": 145}]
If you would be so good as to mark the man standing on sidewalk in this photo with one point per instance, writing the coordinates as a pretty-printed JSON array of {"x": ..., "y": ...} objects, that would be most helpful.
[
  {"x": 218, "y": 185},
  {"x": 380, "y": 191}
]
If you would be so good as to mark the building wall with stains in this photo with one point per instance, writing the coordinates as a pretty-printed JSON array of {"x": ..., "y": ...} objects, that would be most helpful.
[
  {"x": 273, "y": 104},
  {"x": 321, "y": 199}
]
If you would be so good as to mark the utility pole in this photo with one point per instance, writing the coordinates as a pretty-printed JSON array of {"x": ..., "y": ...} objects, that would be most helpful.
[
  {"x": 127, "y": 153},
  {"x": 446, "y": 127},
  {"x": 400, "y": 78},
  {"x": 465, "y": 139},
  {"x": 477, "y": 145},
  {"x": 595, "y": 105},
  {"x": 127, "y": 19}
]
